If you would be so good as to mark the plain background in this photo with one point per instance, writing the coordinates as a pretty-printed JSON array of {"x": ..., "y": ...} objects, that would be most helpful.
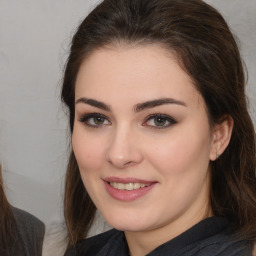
[{"x": 34, "y": 43}]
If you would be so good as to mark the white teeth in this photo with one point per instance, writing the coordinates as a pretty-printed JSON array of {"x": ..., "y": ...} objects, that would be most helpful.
[
  {"x": 128, "y": 186},
  {"x": 136, "y": 185},
  {"x": 120, "y": 186}
]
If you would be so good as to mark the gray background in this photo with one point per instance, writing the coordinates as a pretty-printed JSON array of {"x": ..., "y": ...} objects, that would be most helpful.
[{"x": 34, "y": 40}]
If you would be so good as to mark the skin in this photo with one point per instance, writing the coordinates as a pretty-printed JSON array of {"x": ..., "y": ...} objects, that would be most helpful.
[{"x": 126, "y": 142}]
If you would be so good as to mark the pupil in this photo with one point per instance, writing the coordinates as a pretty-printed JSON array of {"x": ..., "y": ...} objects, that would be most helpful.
[
  {"x": 160, "y": 121},
  {"x": 98, "y": 120}
]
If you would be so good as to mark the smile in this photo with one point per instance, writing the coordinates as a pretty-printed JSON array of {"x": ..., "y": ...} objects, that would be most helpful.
[
  {"x": 128, "y": 186},
  {"x": 128, "y": 189}
]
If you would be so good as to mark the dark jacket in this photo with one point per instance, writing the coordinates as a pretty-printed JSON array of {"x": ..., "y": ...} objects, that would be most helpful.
[
  {"x": 210, "y": 237},
  {"x": 29, "y": 239}
]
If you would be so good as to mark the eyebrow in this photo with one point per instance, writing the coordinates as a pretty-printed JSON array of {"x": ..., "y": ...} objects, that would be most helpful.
[
  {"x": 137, "y": 108},
  {"x": 158, "y": 102},
  {"x": 94, "y": 103}
]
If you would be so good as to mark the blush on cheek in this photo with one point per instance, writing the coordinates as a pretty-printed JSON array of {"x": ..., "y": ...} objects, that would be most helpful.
[
  {"x": 172, "y": 158},
  {"x": 86, "y": 161},
  {"x": 183, "y": 154},
  {"x": 88, "y": 155}
]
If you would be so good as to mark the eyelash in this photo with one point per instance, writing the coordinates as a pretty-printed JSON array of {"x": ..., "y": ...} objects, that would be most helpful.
[
  {"x": 86, "y": 118},
  {"x": 162, "y": 117}
]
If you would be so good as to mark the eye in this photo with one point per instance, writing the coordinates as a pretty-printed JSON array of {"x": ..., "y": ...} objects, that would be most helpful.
[
  {"x": 94, "y": 120},
  {"x": 159, "y": 121}
]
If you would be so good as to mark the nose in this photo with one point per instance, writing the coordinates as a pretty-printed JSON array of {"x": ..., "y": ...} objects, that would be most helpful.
[{"x": 124, "y": 150}]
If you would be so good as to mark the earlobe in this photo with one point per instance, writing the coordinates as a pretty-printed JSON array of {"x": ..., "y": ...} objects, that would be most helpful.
[{"x": 221, "y": 137}]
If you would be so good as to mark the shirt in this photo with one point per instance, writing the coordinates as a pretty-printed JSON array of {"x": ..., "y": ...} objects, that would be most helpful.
[{"x": 210, "y": 237}]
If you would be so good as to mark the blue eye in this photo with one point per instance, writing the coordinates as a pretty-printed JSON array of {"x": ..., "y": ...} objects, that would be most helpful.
[
  {"x": 159, "y": 121},
  {"x": 94, "y": 120}
]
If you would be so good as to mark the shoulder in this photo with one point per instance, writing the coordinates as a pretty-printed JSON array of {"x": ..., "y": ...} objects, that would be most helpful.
[
  {"x": 210, "y": 237},
  {"x": 92, "y": 245},
  {"x": 226, "y": 246},
  {"x": 221, "y": 243},
  {"x": 225, "y": 243},
  {"x": 228, "y": 243},
  {"x": 221, "y": 246},
  {"x": 31, "y": 231},
  {"x": 27, "y": 222}
]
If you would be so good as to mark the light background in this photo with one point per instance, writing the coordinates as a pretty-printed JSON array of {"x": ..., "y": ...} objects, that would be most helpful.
[{"x": 34, "y": 42}]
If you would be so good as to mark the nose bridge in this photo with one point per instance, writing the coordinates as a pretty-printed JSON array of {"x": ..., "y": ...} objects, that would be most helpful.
[{"x": 123, "y": 150}]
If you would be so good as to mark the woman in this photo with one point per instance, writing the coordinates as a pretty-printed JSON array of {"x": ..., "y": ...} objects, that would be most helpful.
[
  {"x": 21, "y": 233},
  {"x": 162, "y": 142}
]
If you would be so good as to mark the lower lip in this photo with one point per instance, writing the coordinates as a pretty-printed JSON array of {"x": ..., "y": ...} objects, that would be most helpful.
[{"x": 127, "y": 195}]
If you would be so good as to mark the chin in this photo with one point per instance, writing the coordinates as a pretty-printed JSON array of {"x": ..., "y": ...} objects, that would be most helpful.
[
  {"x": 129, "y": 218},
  {"x": 127, "y": 224}
]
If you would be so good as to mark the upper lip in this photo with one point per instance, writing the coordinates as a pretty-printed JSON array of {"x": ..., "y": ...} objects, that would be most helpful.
[{"x": 127, "y": 180}]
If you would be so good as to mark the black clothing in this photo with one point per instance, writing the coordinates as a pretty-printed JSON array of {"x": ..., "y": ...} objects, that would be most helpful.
[
  {"x": 29, "y": 239},
  {"x": 210, "y": 237}
]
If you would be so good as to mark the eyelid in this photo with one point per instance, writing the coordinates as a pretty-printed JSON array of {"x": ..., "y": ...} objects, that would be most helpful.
[
  {"x": 84, "y": 119},
  {"x": 168, "y": 118}
]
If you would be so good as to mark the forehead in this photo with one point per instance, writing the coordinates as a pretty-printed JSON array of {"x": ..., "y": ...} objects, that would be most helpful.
[
  {"x": 135, "y": 72},
  {"x": 128, "y": 57}
]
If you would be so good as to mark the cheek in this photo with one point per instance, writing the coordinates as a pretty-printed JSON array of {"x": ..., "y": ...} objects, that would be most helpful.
[
  {"x": 88, "y": 151},
  {"x": 184, "y": 151}
]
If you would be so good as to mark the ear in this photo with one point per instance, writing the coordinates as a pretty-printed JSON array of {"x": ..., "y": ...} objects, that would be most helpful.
[{"x": 221, "y": 136}]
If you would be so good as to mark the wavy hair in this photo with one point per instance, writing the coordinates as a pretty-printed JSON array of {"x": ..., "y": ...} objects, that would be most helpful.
[{"x": 207, "y": 50}]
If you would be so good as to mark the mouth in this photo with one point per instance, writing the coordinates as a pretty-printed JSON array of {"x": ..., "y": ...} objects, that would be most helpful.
[
  {"x": 128, "y": 186},
  {"x": 128, "y": 189}
]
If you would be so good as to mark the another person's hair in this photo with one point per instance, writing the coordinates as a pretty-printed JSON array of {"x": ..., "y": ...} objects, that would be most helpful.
[
  {"x": 205, "y": 48},
  {"x": 7, "y": 222}
]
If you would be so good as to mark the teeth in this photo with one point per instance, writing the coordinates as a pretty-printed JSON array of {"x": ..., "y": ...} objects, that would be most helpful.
[
  {"x": 120, "y": 186},
  {"x": 128, "y": 186}
]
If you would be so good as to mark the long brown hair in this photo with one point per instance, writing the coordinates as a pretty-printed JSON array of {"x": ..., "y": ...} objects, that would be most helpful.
[
  {"x": 7, "y": 221},
  {"x": 208, "y": 52}
]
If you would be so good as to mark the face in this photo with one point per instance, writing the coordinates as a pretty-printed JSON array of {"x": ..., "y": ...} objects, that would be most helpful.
[{"x": 142, "y": 139}]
